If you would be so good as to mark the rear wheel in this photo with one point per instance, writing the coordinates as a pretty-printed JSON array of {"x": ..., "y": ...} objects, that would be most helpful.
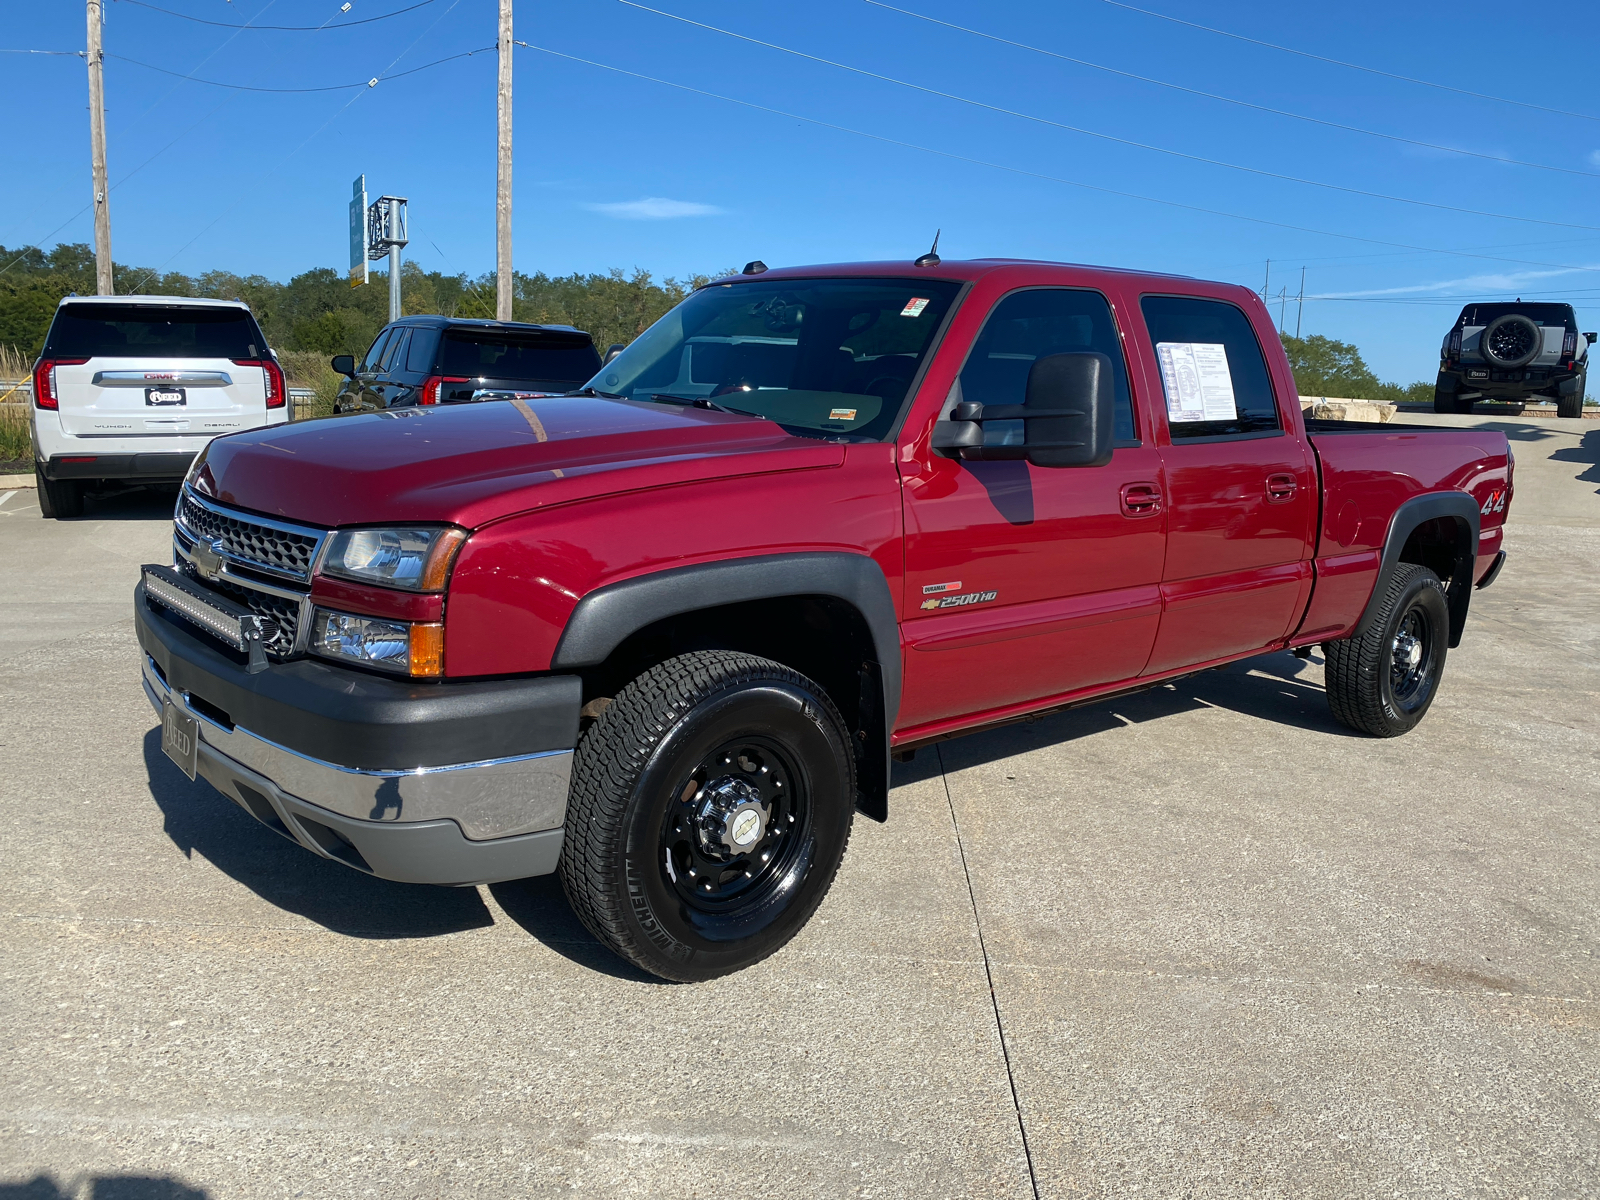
[
  {"x": 710, "y": 807},
  {"x": 1382, "y": 680},
  {"x": 1449, "y": 402},
  {"x": 1572, "y": 406},
  {"x": 58, "y": 497}
]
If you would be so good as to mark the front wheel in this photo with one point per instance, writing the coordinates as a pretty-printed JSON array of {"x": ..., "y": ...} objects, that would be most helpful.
[
  {"x": 710, "y": 807},
  {"x": 1382, "y": 680}
]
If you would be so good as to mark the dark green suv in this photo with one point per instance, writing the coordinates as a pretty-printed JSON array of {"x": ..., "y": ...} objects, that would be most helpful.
[{"x": 450, "y": 360}]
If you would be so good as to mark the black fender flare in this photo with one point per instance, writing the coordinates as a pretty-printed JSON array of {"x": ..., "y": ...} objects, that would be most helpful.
[
  {"x": 609, "y": 615},
  {"x": 1403, "y": 524}
]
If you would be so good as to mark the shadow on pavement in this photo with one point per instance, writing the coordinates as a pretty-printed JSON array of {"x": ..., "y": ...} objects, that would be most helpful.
[
  {"x": 200, "y": 818},
  {"x": 137, "y": 503},
  {"x": 540, "y": 907},
  {"x": 1586, "y": 451},
  {"x": 102, "y": 1187},
  {"x": 1266, "y": 687}
]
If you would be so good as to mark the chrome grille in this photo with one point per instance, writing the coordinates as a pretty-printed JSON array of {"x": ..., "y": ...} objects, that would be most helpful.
[
  {"x": 284, "y": 611},
  {"x": 270, "y": 545}
]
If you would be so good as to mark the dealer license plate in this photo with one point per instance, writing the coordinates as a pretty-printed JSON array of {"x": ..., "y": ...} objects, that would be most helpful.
[
  {"x": 180, "y": 737},
  {"x": 164, "y": 397}
]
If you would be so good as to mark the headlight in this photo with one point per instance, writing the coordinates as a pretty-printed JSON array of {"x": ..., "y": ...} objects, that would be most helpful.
[
  {"x": 417, "y": 560},
  {"x": 403, "y": 647}
]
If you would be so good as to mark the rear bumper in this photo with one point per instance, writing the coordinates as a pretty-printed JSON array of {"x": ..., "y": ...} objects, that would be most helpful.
[
  {"x": 1494, "y": 384},
  {"x": 384, "y": 776},
  {"x": 152, "y": 465}
]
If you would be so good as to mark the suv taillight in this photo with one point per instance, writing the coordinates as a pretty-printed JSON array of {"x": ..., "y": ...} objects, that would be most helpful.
[
  {"x": 430, "y": 387},
  {"x": 44, "y": 380},
  {"x": 1569, "y": 344},
  {"x": 271, "y": 377},
  {"x": 1455, "y": 342}
]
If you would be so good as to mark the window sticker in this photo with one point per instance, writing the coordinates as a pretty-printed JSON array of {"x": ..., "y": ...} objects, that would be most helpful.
[
  {"x": 914, "y": 307},
  {"x": 841, "y": 414},
  {"x": 1197, "y": 382}
]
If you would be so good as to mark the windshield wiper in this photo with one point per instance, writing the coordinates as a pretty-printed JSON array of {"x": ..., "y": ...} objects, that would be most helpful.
[
  {"x": 594, "y": 391},
  {"x": 704, "y": 402}
]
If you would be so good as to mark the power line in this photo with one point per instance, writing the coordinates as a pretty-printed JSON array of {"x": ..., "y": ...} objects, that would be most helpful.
[
  {"x": 282, "y": 28},
  {"x": 242, "y": 194},
  {"x": 1444, "y": 87},
  {"x": 1010, "y": 112},
  {"x": 1214, "y": 212},
  {"x": 1280, "y": 112},
  {"x": 337, "y": 87},
  {"x": 56, "y": 53}
]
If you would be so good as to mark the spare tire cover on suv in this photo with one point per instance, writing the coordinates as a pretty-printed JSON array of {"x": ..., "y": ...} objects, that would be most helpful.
[{"x": 1511, "y": 340}]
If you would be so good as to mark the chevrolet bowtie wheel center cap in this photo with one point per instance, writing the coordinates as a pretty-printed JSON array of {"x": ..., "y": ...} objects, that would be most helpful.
[{"x": 732, "y": 818}]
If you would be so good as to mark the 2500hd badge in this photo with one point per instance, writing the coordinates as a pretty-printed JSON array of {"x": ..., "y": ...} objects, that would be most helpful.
[{"x": 960, "y": 601}]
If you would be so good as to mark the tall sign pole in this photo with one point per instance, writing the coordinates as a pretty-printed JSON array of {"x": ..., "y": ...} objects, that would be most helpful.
[
  {"x": 502, "y": 206},
  {"x": 97, "y": 149}
]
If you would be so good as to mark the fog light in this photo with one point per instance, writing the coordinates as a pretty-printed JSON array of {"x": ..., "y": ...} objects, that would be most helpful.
[{"x": 397, "y": 646}]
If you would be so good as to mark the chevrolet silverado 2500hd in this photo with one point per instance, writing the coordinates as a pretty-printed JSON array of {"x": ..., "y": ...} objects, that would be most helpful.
[{"x": 663, "y": 635}]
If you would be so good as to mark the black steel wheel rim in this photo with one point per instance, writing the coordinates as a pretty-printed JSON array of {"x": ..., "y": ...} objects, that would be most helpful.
[
  {"x": 735, "y": 829},
  {"x": 1411, "y": 657}
]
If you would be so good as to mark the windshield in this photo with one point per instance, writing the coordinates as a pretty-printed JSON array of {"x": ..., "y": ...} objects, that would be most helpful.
[
  {"x": 563, "y": 360},
  {"x": 821, "y": 357},
  {"x": 1539, "y": 314},
  {"x": 153, "y": 331}
]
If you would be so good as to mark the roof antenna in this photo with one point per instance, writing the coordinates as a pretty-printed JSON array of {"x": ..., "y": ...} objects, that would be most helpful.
[
  {"x": 931, "y": 258},
  {"x": 755, "y": 267}
]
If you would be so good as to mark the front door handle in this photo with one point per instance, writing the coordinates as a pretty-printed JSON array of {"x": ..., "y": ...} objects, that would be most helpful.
[
  {"x": 1281, "y": 488},
  {"x": 1140, "y": 499}
]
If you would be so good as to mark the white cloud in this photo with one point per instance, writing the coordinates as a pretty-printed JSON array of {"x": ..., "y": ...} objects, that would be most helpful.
[
  {"x": 654, "y": 208},
  {"x": 1506, "y": 282},
  {"x": 1594, "y": 158}
]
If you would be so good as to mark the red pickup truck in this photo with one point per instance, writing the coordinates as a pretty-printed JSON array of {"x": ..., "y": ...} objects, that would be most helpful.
[{"x": 663, "y": 635}]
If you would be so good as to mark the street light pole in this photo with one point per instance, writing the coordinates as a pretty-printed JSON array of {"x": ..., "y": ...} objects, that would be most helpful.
[
  {"x": 97, "y": 150},
  {"x": 502, "y": 207}
]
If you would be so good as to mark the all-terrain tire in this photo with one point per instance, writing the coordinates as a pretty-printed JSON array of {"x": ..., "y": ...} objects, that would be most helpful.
[
  {"x": 58, "y": 497},
  {"x": 660, "y": 785},
  {"x": 1374, "y": 682},
  {"x": 1447, "y": 402},
  {"x": 1570, "y": 406}
]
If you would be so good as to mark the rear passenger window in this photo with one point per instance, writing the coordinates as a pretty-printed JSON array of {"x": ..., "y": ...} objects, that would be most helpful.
[
  {"x": 1028, "y": 325},
  {"x": 424, "y": 346},
  {"x": 1212, "y": 373}
]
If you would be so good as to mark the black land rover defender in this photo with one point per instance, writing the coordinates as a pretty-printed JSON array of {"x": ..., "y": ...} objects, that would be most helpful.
[
  {"x": 1513, "y": 352},
  {"x": 451, "y": 360}
]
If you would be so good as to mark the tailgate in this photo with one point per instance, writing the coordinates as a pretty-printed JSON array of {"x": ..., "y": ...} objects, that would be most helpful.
[{"x": 125, "y": 396}]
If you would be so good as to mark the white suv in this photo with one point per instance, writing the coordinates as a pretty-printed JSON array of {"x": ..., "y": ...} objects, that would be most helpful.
[{"x": 131, "y": 388}]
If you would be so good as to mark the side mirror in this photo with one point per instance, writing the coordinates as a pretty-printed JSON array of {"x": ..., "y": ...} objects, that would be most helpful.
[
  {"x": 1066, "y": 416},
  {"x": 1590, "y": 338},
  {"x": 345, "y": 364},
  {"x": 617, "y": 348}
]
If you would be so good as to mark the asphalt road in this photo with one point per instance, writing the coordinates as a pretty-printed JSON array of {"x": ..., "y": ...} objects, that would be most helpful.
[{"x": 1201, "y": 942}]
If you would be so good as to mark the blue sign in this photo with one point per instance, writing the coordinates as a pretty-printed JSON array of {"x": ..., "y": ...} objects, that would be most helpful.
[{"x": 358, "y": 231}]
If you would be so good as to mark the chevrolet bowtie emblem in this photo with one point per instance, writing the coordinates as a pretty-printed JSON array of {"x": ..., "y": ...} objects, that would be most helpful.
[{"x": 207, "y": 559}]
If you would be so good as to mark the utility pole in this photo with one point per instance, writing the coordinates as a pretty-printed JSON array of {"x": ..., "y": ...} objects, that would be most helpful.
[
  {"x": 1283, "y": 300},
  {"x": 97, "y": 149},
  {"x": 1300, "y": 311},
  {"x": 502, "y": 205},
  {"x": 1265, "y": 283}
]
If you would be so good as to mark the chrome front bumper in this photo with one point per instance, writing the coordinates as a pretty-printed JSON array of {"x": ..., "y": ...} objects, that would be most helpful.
[{"x": 465, "y": 823}]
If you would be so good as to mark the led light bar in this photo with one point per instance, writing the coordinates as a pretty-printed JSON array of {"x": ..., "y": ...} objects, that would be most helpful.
[{"x": 232, "y": 623}]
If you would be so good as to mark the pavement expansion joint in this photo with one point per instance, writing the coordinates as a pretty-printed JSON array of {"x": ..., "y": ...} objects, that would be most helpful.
[{"x": 994, "y": 1000}]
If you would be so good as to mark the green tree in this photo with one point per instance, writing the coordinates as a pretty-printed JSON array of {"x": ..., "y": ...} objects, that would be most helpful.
[{"x": 1325, "y": 367}]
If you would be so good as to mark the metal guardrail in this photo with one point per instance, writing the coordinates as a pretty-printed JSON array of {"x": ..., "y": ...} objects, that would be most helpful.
[{"x": 300, "y": 402}]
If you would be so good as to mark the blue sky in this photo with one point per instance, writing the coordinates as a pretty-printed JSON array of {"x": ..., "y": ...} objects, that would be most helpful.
[{"x": 614, "y": 170}]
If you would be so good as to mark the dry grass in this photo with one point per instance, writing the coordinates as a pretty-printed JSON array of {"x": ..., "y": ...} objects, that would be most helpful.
[
  {"x": 309, "y": 369},
  {"x": 15, "y": 445}
]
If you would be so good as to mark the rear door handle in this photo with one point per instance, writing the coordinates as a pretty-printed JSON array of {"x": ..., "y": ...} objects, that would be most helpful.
[
  {"x": 1281, "y": 488},
  {"x": 1140, "y": 499}
]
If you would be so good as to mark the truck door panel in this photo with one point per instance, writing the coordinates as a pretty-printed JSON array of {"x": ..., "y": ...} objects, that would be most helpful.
[
  {"x": 1024, "y": 582},
  {"x": 1242, "y": 493}
]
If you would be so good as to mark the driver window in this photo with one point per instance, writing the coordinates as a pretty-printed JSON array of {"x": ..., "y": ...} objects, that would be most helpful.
[
  {"x": 375, "y": 351},
  {"x": 1029, "y": 325}
]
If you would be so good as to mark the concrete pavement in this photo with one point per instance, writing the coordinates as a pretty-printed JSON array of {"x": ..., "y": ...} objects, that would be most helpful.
[{"x": 1234, "y": 949}]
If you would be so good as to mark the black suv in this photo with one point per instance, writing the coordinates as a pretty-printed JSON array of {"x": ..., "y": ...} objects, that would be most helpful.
[
  {"x": 449, "y": 360},
  {"x": 1513, "y": 352}
]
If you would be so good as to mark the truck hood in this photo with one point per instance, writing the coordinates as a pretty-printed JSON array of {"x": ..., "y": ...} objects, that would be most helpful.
[{"x": 472, "y": 464}]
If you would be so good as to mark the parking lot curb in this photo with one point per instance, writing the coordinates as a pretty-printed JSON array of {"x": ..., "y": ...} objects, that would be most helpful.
[{"x": 17, "y": 481}]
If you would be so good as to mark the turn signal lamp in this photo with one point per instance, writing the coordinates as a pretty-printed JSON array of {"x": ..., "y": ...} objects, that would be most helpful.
[
  {"x": 399, "y": 647},
  {"x": 45, "y": 394},
  {"x": 272, "y": 376}
]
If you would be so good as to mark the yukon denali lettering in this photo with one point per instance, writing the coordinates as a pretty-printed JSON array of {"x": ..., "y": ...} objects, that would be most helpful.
[{"x": 662, "y": 634}]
